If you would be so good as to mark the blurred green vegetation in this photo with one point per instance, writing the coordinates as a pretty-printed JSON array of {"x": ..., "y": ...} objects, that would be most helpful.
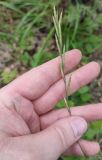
[
  {"x": 8, "y": 76},
  {"x": 31, "y": 31}
]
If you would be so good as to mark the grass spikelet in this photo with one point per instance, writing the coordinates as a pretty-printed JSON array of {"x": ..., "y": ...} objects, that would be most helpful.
[{"x": 57, "y": 20}]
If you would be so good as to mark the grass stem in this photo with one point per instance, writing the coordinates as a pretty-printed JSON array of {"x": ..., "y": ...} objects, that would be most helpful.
[{"x": 57, "y": 20}]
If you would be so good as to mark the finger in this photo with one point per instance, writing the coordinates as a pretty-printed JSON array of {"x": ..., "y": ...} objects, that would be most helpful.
[
  {"x": 26, "y": 148},
  {"x": 80, "y": 77},
  {"x": 88, "y": 112},
  {"x": 89, "y": 149},
  {"x": 53, "y": 141},
  {"x": 35, "y": 82}
]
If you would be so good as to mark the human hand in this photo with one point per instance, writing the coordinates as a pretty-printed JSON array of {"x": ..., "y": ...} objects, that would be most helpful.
[{"x": 30, "y": 127}]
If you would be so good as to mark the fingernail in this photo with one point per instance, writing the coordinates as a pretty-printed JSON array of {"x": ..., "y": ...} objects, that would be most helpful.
[{"x": 79, "y": 126}]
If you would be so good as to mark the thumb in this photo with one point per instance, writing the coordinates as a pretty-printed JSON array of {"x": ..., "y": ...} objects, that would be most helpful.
[{"x": 53, "y": 141}]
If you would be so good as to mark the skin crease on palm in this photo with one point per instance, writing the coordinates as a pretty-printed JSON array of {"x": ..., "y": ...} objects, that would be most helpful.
[{"x": 30, "y": 127}]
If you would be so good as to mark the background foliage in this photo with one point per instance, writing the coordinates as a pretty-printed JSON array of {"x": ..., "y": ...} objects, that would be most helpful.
[{"x": 27, "y": 28}]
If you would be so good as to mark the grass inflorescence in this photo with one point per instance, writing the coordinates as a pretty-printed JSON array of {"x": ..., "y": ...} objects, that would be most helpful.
[
  {"x": 61, "y": 49},
  {"x": 57, "y": 20}
]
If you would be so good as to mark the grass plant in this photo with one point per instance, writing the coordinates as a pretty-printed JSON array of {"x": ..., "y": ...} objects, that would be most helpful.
[{"x": 57, "y": 20}]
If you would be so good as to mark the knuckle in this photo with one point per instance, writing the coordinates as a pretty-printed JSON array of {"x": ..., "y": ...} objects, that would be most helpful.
[{"x": 61, "y": 135}]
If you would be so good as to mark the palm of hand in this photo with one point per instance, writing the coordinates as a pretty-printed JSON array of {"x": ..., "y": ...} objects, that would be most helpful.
[{"x": 18, "y": 116}]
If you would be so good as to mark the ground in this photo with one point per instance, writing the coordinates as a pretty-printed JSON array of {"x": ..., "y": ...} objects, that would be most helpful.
[{"x": 27, "y": 40}]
